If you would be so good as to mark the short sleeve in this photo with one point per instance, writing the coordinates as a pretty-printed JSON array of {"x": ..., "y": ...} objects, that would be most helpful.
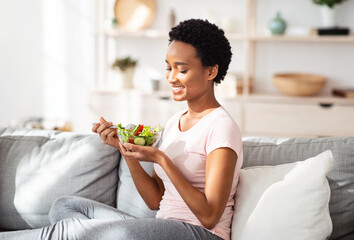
[{"x": 225, "y": 134}]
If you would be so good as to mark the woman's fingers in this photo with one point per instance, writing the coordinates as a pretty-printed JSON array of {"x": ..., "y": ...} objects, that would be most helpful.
[
  {"x": 129, "y": 147},
  {"x": 113, "y": 133},
  {"x": 102, "y": 120},
  {"x": 103, "y": 127},
  {"x": 125, "y": 152},
  {"x": 108, "y": 135},
  {"x": 103, "y": 133},
  {"x": 140, "y": 153},
  {"x": 94, "y": 128},
  {"x": 99, "y": 127}
]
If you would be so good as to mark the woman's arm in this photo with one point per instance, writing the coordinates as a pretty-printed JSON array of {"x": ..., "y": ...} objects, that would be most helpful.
[
  {"x": 149, "y": 187},
  {"x": 209, "y": 206}
]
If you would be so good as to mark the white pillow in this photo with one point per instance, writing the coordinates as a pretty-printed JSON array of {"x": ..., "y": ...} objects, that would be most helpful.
[{"x": 288, "y": 201}]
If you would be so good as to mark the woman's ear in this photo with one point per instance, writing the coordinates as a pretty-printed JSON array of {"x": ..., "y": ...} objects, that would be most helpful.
[{"x": 213, "y": 72}]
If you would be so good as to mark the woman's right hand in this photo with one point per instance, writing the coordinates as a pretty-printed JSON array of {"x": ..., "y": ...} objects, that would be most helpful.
[{"x": 108, "y": 135}]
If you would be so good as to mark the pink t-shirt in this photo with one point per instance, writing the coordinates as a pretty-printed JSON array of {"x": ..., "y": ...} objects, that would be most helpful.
[{"x": 188, "y": 151}]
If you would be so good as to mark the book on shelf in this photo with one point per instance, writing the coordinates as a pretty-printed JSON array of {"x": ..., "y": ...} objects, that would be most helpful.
[
  {"x": 335, "y": 31},
  {"x": 343, "y": 92}
]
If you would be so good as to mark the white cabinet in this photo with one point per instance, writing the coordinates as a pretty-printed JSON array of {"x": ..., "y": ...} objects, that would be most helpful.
[{"x": 306, "y": 120}]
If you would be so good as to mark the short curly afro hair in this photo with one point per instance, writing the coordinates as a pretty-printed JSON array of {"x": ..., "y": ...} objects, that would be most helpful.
[{"x": 209, "y": 41}]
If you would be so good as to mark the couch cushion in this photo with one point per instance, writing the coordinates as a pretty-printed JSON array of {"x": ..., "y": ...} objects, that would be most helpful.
[
  {"x": 286, "y": 201},
  {"x": 275, "y": 151},
  {"x": 128, "y": 197},
  {"x": 37, "y": 166}
]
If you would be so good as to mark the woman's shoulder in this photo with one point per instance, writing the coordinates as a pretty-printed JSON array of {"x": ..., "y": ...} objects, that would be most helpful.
[
  {"x": 223, "y": 131},
  {"x": 222, "y": 123},
  {"x": 221, "y": 116}
]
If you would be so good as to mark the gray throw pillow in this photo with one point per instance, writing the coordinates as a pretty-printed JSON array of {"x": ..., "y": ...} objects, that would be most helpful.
[{"x": 37, "y": 166}]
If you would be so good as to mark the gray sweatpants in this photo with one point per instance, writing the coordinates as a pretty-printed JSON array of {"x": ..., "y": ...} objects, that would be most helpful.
[{"x": 79, "y": 218}]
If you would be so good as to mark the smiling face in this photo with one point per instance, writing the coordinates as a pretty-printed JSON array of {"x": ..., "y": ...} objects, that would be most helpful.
[{"x": 189, "y": 79}]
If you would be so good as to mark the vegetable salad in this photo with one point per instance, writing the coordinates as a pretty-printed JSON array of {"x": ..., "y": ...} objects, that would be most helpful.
[{"x": 139, "y": 134}]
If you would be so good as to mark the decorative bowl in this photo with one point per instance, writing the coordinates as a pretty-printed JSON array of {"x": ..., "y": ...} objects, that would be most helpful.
[{"x": 295, "y": 84}]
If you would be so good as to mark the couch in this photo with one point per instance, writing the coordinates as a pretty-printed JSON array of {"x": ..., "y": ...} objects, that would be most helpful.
[{"x": 302, "y": 187}]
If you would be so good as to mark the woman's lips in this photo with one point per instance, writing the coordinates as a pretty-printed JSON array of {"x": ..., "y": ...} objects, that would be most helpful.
[{"x": 177, "y": 89}]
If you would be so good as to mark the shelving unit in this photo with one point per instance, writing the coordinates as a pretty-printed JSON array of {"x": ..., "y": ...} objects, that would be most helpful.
[{"x": 248, "y": 108}]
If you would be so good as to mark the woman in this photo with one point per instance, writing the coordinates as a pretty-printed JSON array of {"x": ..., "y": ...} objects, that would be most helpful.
[
  {"x": 194, "y": 177},
  {"x": 196, "y": 166}
]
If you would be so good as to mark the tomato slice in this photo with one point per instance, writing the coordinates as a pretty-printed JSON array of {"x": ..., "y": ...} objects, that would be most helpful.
[
  {"x": 131, "y": 140},
  {"x": 139, "y": 130}
]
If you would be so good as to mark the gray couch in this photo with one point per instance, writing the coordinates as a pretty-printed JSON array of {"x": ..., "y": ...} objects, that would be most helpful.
[{"x": 37, "y": 166}]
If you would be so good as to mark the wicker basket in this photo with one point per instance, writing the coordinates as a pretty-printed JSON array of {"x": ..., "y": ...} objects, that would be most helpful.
[{"x": 295, "y": 84}]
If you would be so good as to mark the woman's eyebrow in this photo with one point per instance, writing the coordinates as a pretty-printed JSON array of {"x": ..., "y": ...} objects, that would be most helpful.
[
  {"x": 181, "y": 63},
  {"x": 177, "y": 63}
]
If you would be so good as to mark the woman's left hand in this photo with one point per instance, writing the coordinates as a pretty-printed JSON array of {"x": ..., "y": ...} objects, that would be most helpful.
[{"x": 141, "y": 153}]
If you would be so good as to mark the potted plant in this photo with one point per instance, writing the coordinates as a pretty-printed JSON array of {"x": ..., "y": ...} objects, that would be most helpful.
[
  {"x": 125, "y": 67},
  {"x": 329, "y": 3},
  {"x": 328, "y": 11}
]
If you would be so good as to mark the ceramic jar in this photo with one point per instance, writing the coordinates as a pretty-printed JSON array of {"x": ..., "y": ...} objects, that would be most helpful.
[
  {"x": 277, "y": 25},
  {"x": 328, "y": 17}
]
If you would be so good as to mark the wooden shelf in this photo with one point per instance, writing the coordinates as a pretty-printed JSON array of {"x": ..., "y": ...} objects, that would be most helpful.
[
  {"x": 236, "y": 36},
  {"x": 325, "y": 101},
  {"x": 156, "y": 33},
  {"x": 277, "y": 98},
  {"x": 149, "y": 33},
  {"x": 264, "y": 98},
  {"x": 289, "y": 38}
]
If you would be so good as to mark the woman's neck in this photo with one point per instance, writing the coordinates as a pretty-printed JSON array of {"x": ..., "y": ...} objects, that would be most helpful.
[
  {"x": 195, "y": 113},
  {"x": 198, "y": 109}
]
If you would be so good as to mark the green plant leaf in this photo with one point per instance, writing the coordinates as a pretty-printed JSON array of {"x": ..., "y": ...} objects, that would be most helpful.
[
  {"x": 124, "y": 63},
  {"x": 329, "y": 3}
]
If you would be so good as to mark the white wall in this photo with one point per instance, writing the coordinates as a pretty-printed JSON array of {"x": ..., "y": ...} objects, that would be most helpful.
[
  {"x": 46, "y": 59},
  {"x": 46, "y": 51},
  {"x": 21, "y": 59}
]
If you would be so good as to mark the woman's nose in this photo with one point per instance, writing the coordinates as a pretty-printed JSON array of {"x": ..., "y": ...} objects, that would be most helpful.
[{"x": 171, "y": 77}]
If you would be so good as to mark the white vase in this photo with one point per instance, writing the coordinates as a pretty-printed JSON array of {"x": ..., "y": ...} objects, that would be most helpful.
[
  {"x": 126, "y": 77},
  {"x": 328, "y": 16}
]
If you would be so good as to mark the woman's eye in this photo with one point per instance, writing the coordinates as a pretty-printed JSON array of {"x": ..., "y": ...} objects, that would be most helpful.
[
  {"x": 183, "y": 71},
  {"x": 168, "y": 69}
]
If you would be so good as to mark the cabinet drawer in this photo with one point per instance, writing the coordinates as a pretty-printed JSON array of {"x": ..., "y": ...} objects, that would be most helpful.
[{"x": 298, "y": 120}]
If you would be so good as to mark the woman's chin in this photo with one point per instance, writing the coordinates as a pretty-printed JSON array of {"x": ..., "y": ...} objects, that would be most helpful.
[{"x": 177, "y": 98}]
